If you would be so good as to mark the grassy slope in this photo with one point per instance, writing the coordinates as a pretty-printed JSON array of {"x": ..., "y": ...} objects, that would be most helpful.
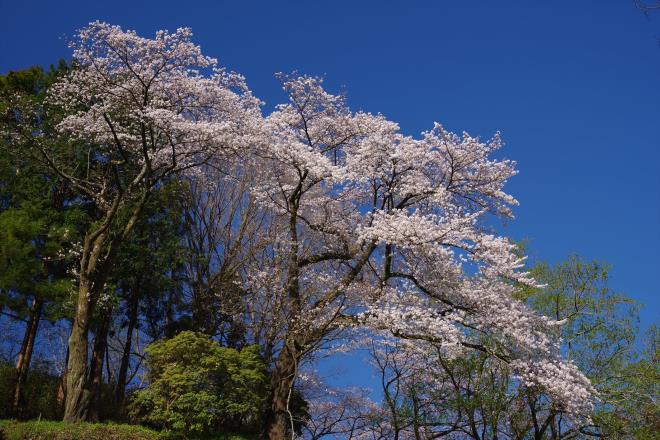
[{"x": 49, "y": 430}]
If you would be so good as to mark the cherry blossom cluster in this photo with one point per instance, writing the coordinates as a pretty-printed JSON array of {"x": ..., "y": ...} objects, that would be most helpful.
[
  {"x": 156, "y": 102},
  {"x": 570, "y": 390},
  {"x": 404, "y": 313},
  {"x": 356, "y": 182}
]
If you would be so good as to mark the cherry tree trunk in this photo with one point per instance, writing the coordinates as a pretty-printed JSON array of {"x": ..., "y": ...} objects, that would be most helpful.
[
  {"x": 25, "y": 355},
  {"x": 78, "y": 397},
  {"x": 282, "y": 381},
  {"x": 93, "y": 276}
]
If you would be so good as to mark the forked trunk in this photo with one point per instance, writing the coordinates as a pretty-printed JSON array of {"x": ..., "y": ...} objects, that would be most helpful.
[
  {"x": 94, "y": 272},
  {"x": 25, "y": 355}
]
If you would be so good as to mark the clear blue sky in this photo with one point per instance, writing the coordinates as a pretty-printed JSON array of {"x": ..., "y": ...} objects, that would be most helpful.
[{"x": 574, "y": 87}]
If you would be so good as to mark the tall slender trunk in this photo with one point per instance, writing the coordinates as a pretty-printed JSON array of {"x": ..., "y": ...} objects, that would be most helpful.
[
  {"x": 197, "y": 305},
  {"x": 282, "y": 381},
  {"x": 61, "y": 386},
  {"x": 416, "y": 415},
  {"x": 78, "y": 392},
  {"x": 25, "y": 355},
  {"x": 96, "y": 364},
  {"x": 126, "y": 355},
  {"x": 168, "y": 317}
]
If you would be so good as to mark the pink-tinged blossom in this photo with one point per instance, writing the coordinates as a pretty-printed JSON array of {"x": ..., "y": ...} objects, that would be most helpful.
[
  {"x": 352, "y": 195},
  {"x": 157, "y": 103},
  {"x": 570, "y": 390}
]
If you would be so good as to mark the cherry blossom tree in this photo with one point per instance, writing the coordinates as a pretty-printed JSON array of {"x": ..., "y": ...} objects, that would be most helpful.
[
  {"x": 360, "y": 225},
  {"x": 138, "y": 111},
  {"x": 377, "y": 229}
]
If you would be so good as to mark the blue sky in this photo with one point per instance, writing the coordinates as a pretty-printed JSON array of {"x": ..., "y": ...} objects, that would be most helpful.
[{"x": 574, "y": 87}]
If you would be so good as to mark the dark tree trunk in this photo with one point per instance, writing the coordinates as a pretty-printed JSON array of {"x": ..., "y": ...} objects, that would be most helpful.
[
  {"x": 126, "y": 355},
  {"x": 61, "y": 386},
  {"x": 416, "y": 415},
  {"x": 25, "y": 355},
  {"x": 96, "y": 365},
  {"x": 168, "y": 317},
  {"x": 282, "y": 381},
  {"x": 198, "y": 321}
]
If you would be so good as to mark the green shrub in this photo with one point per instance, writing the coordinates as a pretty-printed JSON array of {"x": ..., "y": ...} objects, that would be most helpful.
[{"x": 196, "y": 386}]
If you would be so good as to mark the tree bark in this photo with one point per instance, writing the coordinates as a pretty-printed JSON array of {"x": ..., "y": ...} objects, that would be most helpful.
[
  {"x": 25, "y": 355},
  {"x": 78, "y": 392},
  {"x": 126, "y": 355},
  {"x": 282, "y": 380},
  {"x": 96, "y": 365}
]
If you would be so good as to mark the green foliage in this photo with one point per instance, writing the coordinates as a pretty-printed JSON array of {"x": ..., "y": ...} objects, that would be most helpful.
[
  {"x": 600, "y": 325},
  {"x": 34, "y": 241},
  {"x": 196, "y": 386},
  {"x": 599, "y": 333},
  {"x": 39, "y": 394},
  {"x": 40, "y": 221},
  {"x": 150, "y": 262},
  {"x": 632, "y": 410}
]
